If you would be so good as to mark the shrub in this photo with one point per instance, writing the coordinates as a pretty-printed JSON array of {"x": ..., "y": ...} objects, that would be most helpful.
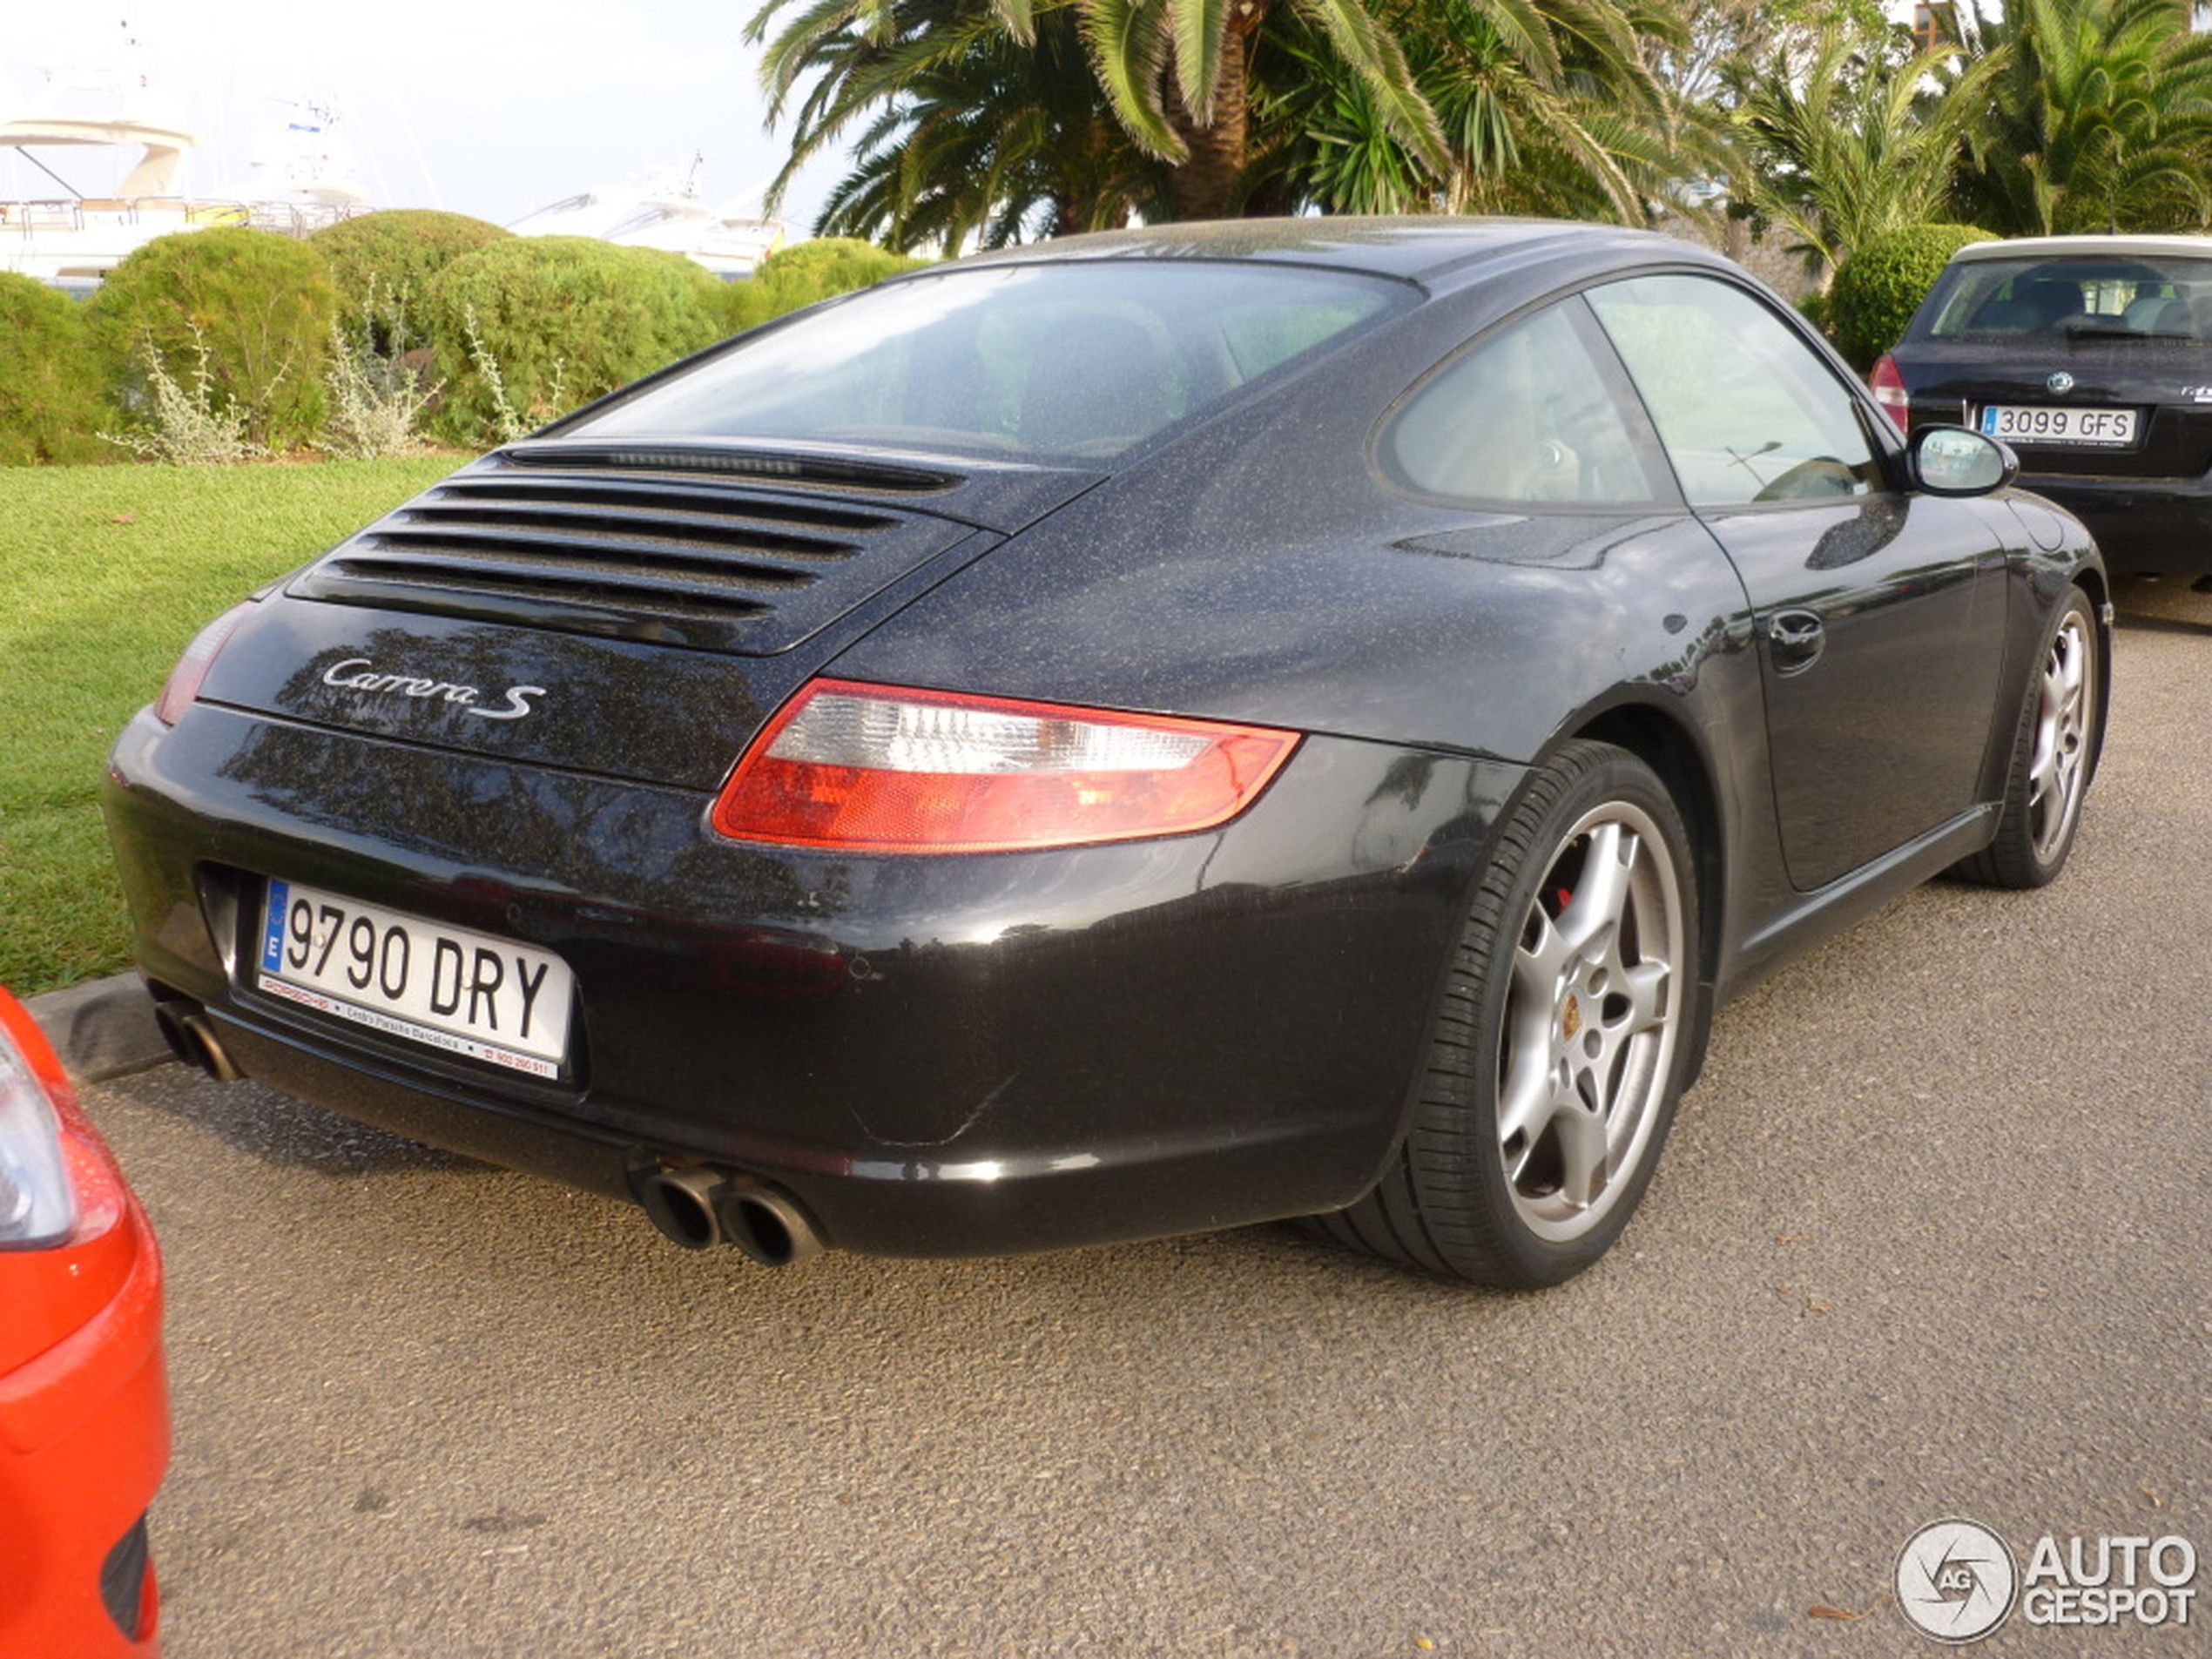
[
  {"x": 807, "y": 272},
  {"x": 398, "y": 251},
  {"x": 261, "y": 304},
  {"x": 504, "y": 422},
  {"x": 48, "y": 380},
  {"x": 559, "y": 320},
  {"x": 181, "y": 422},
  {"x": 377, "y": 381},
  {"x": 833, "y": 265},
  {"x": 1880, "y": 284}
]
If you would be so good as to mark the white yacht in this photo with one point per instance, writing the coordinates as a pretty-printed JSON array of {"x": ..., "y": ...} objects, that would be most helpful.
[
  {"x": 663, "y": 211},
  {"x": 98, "y": 173}
]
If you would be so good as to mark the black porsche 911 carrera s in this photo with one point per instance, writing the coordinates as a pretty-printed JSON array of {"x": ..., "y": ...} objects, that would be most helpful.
[{"x": 1140, "y": 734}]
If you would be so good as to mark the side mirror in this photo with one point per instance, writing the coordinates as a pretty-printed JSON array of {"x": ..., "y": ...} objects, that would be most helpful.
[{"x": 1952, "y": 461}]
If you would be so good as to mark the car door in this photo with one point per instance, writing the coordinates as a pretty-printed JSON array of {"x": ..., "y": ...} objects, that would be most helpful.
[{"x": 1876, "y": 607}]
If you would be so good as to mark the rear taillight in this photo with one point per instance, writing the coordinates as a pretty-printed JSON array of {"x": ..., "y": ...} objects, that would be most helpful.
[
  {"x": 191, "y": 671},
  {"x": 1890, "y": 393},
  {"x": 883, "y": 769}
]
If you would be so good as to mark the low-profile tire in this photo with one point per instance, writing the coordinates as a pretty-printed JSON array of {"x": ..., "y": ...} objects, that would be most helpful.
[
  {"x": 2054, "y": 755},
  {"x": 1560, "y": 1045}
]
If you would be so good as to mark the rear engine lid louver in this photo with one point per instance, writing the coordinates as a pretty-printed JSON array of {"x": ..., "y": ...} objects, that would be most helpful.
[{"x": 655, "y": 545}]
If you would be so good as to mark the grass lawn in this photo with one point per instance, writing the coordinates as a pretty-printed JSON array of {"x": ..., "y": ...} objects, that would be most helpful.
[{"x": 108, "y": 572}]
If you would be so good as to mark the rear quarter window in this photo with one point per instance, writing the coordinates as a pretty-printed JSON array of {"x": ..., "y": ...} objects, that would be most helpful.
[{"x": 1532, "y": 413}]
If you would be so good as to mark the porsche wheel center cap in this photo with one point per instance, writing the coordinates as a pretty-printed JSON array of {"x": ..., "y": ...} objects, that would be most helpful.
[{"x": 1571, "y": 1020}]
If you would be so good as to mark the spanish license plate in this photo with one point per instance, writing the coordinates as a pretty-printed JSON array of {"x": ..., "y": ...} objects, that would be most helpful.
[
  {"x": 2081, "y": 428},
  {"x": 447, "y": 988}
]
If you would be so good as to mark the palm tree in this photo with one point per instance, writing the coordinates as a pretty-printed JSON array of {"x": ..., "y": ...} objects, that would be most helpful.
[
  {"x": 1172, "y": 72},
  {"x": 1851, "y": 139},
  {"x": 1583, "y": 130},
  {"x": 1175, "y": 75},
  {"x": 2098, "y": 117},
  {"x": 969, "y": 135}
]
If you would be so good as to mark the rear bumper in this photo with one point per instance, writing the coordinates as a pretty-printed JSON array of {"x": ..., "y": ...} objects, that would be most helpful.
[
  {"x": 2141, "y": 524},
  {"x": 961, "y": 1056},
  {"x": 994, "y": 1193}
]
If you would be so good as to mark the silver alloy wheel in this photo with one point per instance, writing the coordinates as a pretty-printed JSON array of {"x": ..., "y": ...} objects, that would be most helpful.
[
  {"x": 1592, "y": 1018},
  {"x": 2065, "y": 715}
]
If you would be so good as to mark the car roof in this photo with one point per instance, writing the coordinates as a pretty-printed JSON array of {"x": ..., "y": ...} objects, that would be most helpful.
[
  {"x": 1419, "y": 249},
  {"x": 2087, "y": 246}
]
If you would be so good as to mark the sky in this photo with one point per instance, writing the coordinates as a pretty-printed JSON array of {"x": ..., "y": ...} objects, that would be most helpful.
[{"x": 486, "y": 107}]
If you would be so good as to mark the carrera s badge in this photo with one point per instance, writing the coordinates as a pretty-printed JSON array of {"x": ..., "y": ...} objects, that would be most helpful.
[{"x": 359, "y": 674}]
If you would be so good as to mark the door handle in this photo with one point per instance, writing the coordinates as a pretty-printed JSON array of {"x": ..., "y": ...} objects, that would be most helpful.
[{"x": 1797, "y": 638}]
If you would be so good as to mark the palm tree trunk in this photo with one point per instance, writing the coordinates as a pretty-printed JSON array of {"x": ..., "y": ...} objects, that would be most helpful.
[{"x": 1203, "y": 185}]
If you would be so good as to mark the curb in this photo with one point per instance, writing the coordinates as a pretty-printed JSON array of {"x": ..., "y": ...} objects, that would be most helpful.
[{"x": 102, "y": 1028}]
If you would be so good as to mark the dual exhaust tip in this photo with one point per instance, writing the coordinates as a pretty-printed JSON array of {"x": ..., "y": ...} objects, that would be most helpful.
[
  {"x": 698, "y": 1208},
  {"x": 191, "y": 1038}
]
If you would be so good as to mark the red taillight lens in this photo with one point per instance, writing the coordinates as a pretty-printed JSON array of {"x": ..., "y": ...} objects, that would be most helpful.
[
  {"x": 191, "y": 671},
  {"x": 882, "y": 769},
  {"x": 1890, "y": 393}
]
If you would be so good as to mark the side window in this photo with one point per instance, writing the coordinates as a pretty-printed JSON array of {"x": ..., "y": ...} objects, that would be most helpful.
[
  {"x": 1747, "y": 413},
  {"x": 1526, "y": 415}
]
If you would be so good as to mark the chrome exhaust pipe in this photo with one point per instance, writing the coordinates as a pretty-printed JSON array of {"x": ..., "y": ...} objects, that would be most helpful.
[
  {"x": 681, "y": 1203},
  {"x": 765, "y": 1225},
  {"x": 168, "y": 1020},
  {"x": 191, "y": 1037},
  {"x": 697, "y": 1208},
  {"x": 213, "y": 1058}
]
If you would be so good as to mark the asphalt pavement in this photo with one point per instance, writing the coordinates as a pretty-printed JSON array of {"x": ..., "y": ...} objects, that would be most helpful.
[{"x": 1929, "y": 1242}]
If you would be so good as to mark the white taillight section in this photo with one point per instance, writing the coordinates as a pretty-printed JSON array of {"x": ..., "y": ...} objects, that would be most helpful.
[
  {"x": 37, "y": 1202},
  {"x": 883, "y": 769},
  {"x": 1889, "y": 391},
  {"x": 191, "y": 671}
]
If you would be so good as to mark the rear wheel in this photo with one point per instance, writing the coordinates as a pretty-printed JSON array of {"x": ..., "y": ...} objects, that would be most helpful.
[
  {"x": 1556, "y": 1058},
  {"x": 2054, "y": 755}
]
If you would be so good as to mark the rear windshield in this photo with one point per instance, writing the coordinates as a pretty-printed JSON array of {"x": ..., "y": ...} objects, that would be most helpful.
[
  {"x": 2147, "y": 298},
  {"x": 1055, "y": 362}
]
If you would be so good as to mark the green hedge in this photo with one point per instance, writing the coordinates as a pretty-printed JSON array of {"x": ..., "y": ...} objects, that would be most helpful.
[
  {"x": 263, "y": 305},
  {"x": 806, "y": 273},
  {"x": 558, "y": 322},
  {"x": 1880, "y": 284},
  {"x": 50, "y": 380},
  {"x": 398, "y": 251}
]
